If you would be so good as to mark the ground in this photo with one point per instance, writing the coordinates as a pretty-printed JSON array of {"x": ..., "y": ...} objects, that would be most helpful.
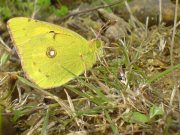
[{"x": 132, "y": 89}]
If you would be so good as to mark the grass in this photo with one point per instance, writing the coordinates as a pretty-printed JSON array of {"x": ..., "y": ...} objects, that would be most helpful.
[{"x": 128, "y": 91}]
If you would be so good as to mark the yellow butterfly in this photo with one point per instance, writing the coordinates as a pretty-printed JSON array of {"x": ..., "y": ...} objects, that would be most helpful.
[{"x": 50, "y": 55}]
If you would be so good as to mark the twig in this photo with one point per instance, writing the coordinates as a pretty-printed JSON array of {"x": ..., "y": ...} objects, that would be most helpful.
[
  {"x": 92, "y": 9},
  {"x": 35, "y": 9},
  {"x": 5, "y": 46},
  {"x": 68, "y": 110},
  {"x": 171, "y": 58},
  {"x": 160, "y": 12}
]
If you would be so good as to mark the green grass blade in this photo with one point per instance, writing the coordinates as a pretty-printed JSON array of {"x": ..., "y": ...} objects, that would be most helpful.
[
  {"x": 44, "y": 130},
  {"x": 162, "y": 74},
  {"x": 112, "y": 125}
]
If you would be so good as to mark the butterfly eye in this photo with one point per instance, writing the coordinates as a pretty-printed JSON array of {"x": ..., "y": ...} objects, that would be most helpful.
[{"x": 51, "y": 52}]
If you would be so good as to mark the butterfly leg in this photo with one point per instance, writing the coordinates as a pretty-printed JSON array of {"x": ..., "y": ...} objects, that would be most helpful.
[{"x": 85, "y": 66}]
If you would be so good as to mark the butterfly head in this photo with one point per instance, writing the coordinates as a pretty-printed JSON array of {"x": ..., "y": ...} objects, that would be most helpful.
[{"x": 96, "y": 46}]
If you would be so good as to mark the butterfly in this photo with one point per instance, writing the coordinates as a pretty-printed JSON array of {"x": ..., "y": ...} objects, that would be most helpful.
[{"x": 51, "y": 55}]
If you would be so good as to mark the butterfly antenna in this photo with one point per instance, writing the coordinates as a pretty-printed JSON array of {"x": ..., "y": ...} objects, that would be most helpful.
[
  {"x": 103, "y": 28},
  {"x": 97, "y": 35}
]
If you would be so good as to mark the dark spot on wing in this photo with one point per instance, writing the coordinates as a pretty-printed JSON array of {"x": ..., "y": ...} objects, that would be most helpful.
[
  {"x": 51, "y": 31},
  {"x": 51, "y": 52},
  {"x": 34, "y": 63},
  {"x": 47, "y": 75},
  {"x": 82, "y": 57},
  {"x": 39, "y": 70},
  {"x": 54, "y": 33}
]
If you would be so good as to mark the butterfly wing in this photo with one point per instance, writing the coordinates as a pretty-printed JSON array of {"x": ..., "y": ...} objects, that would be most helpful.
[{"x": 50, "y": 55}]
